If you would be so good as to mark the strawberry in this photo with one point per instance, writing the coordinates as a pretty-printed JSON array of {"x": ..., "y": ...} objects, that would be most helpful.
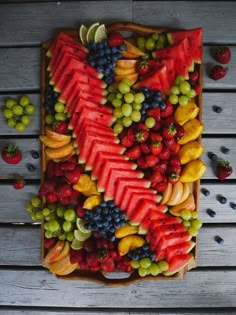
[
  {"x": 223, "y": 169},
  {"x": 155, "y": 113},
  {"x": 154, "y": 136},
  {"x": 193, "y": 77},
  {"x": 156, "y": 147},
  {"x": 115, "y": 39},
  {"x": 48, "y": 186},
  {"x": 160, "y": 187},
  {"x": 198, "y": 89},
  {"x": 134, "y": 152},
  {"x": 77, "y": 255},
  {"x": 74, "y": 175},
  {"x": 168, "y": 110},
  {"x": 143, "y": 66},
  {"x": 11, "y": 154},
  {"x": 51, "y": 197},
  {"x": 155, "y": 178},
  {"x": 172, "y": 145},
  {"x": 127, "y": 142},
  {"x": 145, "y": 147},
  {"x": 151, "y": 160},
  {"x": 64, "y": 190},
  {"x": 169, "y": 132},
  {"x": 19, "y": 183},
  {"x": 67, "y": 166},
  {"x": 58, "y": 170},
  {"x": 108, "y": 265},
  {"x": 174, "y": 169},
  {"x": 161, "y": 167},
  {"x": 173, "y": 178},
  {"x": 74, "y": 198},
  {"x": 141, "y": 132},
  {"x": 50, "y": 171},
  {"x": 165, "y": 153},
  {"x": 141, "y": 161},
  {"x": 223, "y": 55},
  {"x": 179, "y": 131},
  {"x": 218, "y": 72},
  {"x": 168, "y": 121},
  {"x": 175, "y": 161},
  {"x": 49, "y": 242},
  {"x": 61, "y": 127}
]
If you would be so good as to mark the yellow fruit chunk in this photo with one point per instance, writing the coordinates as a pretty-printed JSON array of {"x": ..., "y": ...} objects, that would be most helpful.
[
  {"x": 185, "y": 113},
  {"x": 190, "y": 151},
  {"x": 188, "y": 204},
  {"x": 166, "y": 193},
  {"x": 193, "y": 171},
  {"x": 92, "y": 201},
  {"x": 126, "y": 63},
  {"x": 56, "y": 136},
  {"x": 192, "y": 130},
  {"x": 60, "y": 152},
  {"x": 86, "y": 186},
  {"x": 186, "y": 192},
  {"x": 63, "y": 267},
  {"x": 128, "y": 243},
  {"x": 132, "y": 78},
  {"x": 54, "y": 252},
  {"x": 124, "y": 71},
  {"x": 133, "y": 50},
  {"x": 177, "y": 191},
  {"x": 53, "y": 143},
  {"x": 126, "y": 230}
]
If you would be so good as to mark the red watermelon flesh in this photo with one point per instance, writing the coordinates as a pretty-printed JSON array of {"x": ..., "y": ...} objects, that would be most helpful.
[
  {"x": 89, "y": 124},
  {"x": 141, "y": 213},
  {"x": 177, "y": 263},
  {"x": 194, "y": 37},
  {"x": 164, "y": 78},
  {"x": 96, "y": 115},
  {"x": 179, "y": 249},
  {"x": 70, "y": 103},
  {"x": 170, "y": 65},
  {"x": 101, "y": 161},
  {"x": 73, "y": 121},
  {"x": 90, "y": 80},
  {"x": 173, "y": 239},
  {"x": 152, "y": 81},
  {"x": 90, "y": 150},
  {"x": 92, "y": 106}
]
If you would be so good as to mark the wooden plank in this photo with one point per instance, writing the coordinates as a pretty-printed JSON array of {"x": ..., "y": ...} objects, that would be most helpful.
[
  {"x": 190, "y": 14},
  {"x": 33, "y": 128},
  {"x": 202, "y": 288},
  {"x": 9, "y": 171},
  {"x": 20, "y": 246},
  {"x": 45, "y": 18}
]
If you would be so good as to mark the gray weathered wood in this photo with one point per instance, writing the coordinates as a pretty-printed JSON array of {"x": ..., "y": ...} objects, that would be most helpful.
[
  {"x": 20, "y": 246},
  {"x": 39, "y": 288},
  {"x": 190, "y": 14},
  {"x": 25, "y": 146},
  {"x": 46, "y": 18},
  {"x": 33, "y": 128}
]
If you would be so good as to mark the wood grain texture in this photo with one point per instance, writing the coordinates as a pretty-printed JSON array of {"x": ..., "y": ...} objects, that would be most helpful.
[
  {"x": 10, "y": 311},
  {"x": 190, "y": 14},
  {"x": 39, "y": 288},
  {"x": 33, "y": 128},
  {"x": 20, "y": 246},
  {"x": 46, "y": 18},
  {"x": 9, "y": 171}
]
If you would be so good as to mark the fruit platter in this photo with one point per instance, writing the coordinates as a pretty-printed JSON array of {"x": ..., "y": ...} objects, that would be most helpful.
[{"x": 121, "y": 152}]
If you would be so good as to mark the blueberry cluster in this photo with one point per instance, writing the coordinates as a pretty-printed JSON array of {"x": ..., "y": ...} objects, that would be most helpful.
[
  {"x": 142, "y": 252},
  {"x": 50, "y": 99},
  {"x": 153, "y": 99},
  {"x": 103, "y": 58},
  {"x": 105, "y": 219}
]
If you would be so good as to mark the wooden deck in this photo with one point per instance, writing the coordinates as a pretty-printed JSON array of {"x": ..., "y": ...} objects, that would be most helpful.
[{"x": 26, "y": 287}]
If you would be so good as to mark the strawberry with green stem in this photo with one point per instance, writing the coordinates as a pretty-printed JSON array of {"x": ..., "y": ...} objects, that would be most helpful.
[
  {"x": 11, "y": 154},
  {"x": 19, "y": 183},
  {"x": 223, "y": 169}
]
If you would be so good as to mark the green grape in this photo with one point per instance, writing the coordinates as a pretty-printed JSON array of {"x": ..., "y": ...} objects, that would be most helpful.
[
  {"x": 119, "y": 96},
  {"x": 7, "y": 113},
  {"x": 159, "y": 45},
  {"x": 155, "y": 269},
  {"x": 155, "y": 36},
  {"x": 145, "y": 262},
  {"x": 36, "y": 201},
  {"x": 17, "y": 110},
  {"x": 33, "y": 215},
  {"x": 111, "y": 96},
  {"x": 46, "y": 226},
  {"x": 26, "y": 120},
  {"x": 186, "y": 214},
  {"x": 126, "y": 121},
  {"x": 48, "y": 234},
  {"x": 124, "y": 87},
  {"x": 118, "y": 128},
  {"x": 62, "y": 237},
  {"x": 184, "y": 87},
  {"x": 196, "y": 224},
  {"x": 49, "y": 119},
  {"x": 194, "y": 214},
  {"x": 142, "y": 271},
  {"x": 11, "y": 123},
  {"x": 70, "y": 236},
  {"x": 150, "y": 44},
  {"x": 59, "y": 107},
  {"x": 193, "y": 231},
  {"x": 53, "y": 226},
  {"x": 70, "y": 215},
  {"x": 150, "y": 122},
  {"x": 135, "y": 116},
  {"x": 60, "y": 116},
  {"x": 135, "y": 264},
  {"x": 186, "y": 223},
  {"x": 126, "y": 109},
  {"x": 175, "y": 90},
  {"x": 20, "y": 127},
  {"x": 116, "y": 102},
  {"x": 30, "y": 109},
  {"x": 173, "y": 99},
  {"x": 10, "y": 102},
  {"x": 183, "y": 100},
  {"x": 52, "y": 206},
  {"x": 67, "y": 226},
  {"x": 192, "y": 93},
  {"x": 46, "y": 212},
  {"x": 29, "y": 207},
  {"x": 60, "y": 211},
  {"x": 137, "y": 106},
  {"x": 24, "y": 100},
  {"x": 162, "y": 38},
  {"x": 39, "y": 215},
  {"x": 129, "y": 97},
  {"x": 179, "y": 79},
  {"x": 117, "y": 112},
  {"x": 163, "y": 265},
  {"x": 141, "y": 42},
  {"x": 139, "y": 97}
]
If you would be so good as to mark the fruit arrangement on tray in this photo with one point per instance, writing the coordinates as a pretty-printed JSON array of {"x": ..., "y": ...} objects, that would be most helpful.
[{"x": 121, "y": 142}]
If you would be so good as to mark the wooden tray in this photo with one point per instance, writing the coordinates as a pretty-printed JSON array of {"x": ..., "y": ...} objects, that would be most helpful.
[{"x": 115, "y": 278}]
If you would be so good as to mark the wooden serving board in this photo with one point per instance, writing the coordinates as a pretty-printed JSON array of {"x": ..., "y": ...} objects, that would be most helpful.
[{"x": 115, "y": 278}]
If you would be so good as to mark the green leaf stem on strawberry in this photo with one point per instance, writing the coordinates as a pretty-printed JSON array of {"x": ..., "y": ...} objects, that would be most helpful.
[{"x": 11, "y": 154}]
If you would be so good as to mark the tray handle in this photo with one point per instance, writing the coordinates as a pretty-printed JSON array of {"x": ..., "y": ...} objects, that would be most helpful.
[{"x": 136, "y": 28}]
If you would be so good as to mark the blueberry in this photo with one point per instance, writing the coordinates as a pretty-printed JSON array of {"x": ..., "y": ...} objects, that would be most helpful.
[
  {"x": 212, "y": 156},
  {"x": 225, "y": 150},
  {"x": 152, "y": 256},
  {"x": 100, "y": 69},
  {"x": 30, "y": 167},
  {"x": 162, "y": 105},
  {"x": 222, "y": 200},
  {"x": 217, "y": 109},
  {"x": 103, "y": 204},
  {"x": 205, "y": 192},
  {"x": 233, "y": 205},
  {"x": 211, "y": 213},
  {"x": 145, "y": 105},
  {"x": 34, "y": 154},
  {"x": 109, "y": 80},
  {"x": 107, "y": 51},
  {"x": 122, "y": 47},
  {"x": 92, "y": 63},
  {"x": 145, "y": 247},
  {"x": 219, "y": 240}
]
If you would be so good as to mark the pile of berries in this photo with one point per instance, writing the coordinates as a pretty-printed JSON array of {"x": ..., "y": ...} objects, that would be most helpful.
[{"x": 142, "y": 252}]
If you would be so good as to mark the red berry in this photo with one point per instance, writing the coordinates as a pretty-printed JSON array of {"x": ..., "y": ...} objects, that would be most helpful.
[
  {"x": 115, "y": 39},
  {"x": 51, "y": 197},
  {"x": 223, "y": 55},
  {"x": 134, "y": 152},
  {"x": 19, "y": 183},
  {"x": 218, "y": 72},
  {"x": 151, "y": 160},
  {"x": 61, "y": 127},
  {"x": 161, "y": 166},
  {"x": 224, "y": 169},
  {"x": 49, "y": 242},
  {"x": 160, "y": 187},
  {"x": 11, "y": 154},
  {"x": 193, "y": 77},
  {"x": 168, "y": 111}
]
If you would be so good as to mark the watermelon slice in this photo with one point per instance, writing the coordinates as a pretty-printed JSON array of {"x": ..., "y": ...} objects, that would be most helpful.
[
  {"x": 156, "y": 218},
  {"x": 151, "y": 81},
  {"x": 89, "y": 124},
  {"x": 143, "y": 210},
  {"x": 170, "y": 66},
  {"x": 177, "y": 263},
  {"x": 194, "y": 37},
  {"x": 172, "y": 239},
  {"x": 179, "y": 249}
]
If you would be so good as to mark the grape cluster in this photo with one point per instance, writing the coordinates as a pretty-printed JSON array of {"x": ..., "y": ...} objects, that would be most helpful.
[
  {"x": 191, "y": 221},
  {"x": 142, "y": 252},
  {"x": 103, "y": 58},
  {"x": 105, "y": 219},
  {"x": 146, "y": 266},
  {"x": 17, "y": 112},
  {"x": 152, "y": 42},
  {"x": 181, "y": 92}
]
